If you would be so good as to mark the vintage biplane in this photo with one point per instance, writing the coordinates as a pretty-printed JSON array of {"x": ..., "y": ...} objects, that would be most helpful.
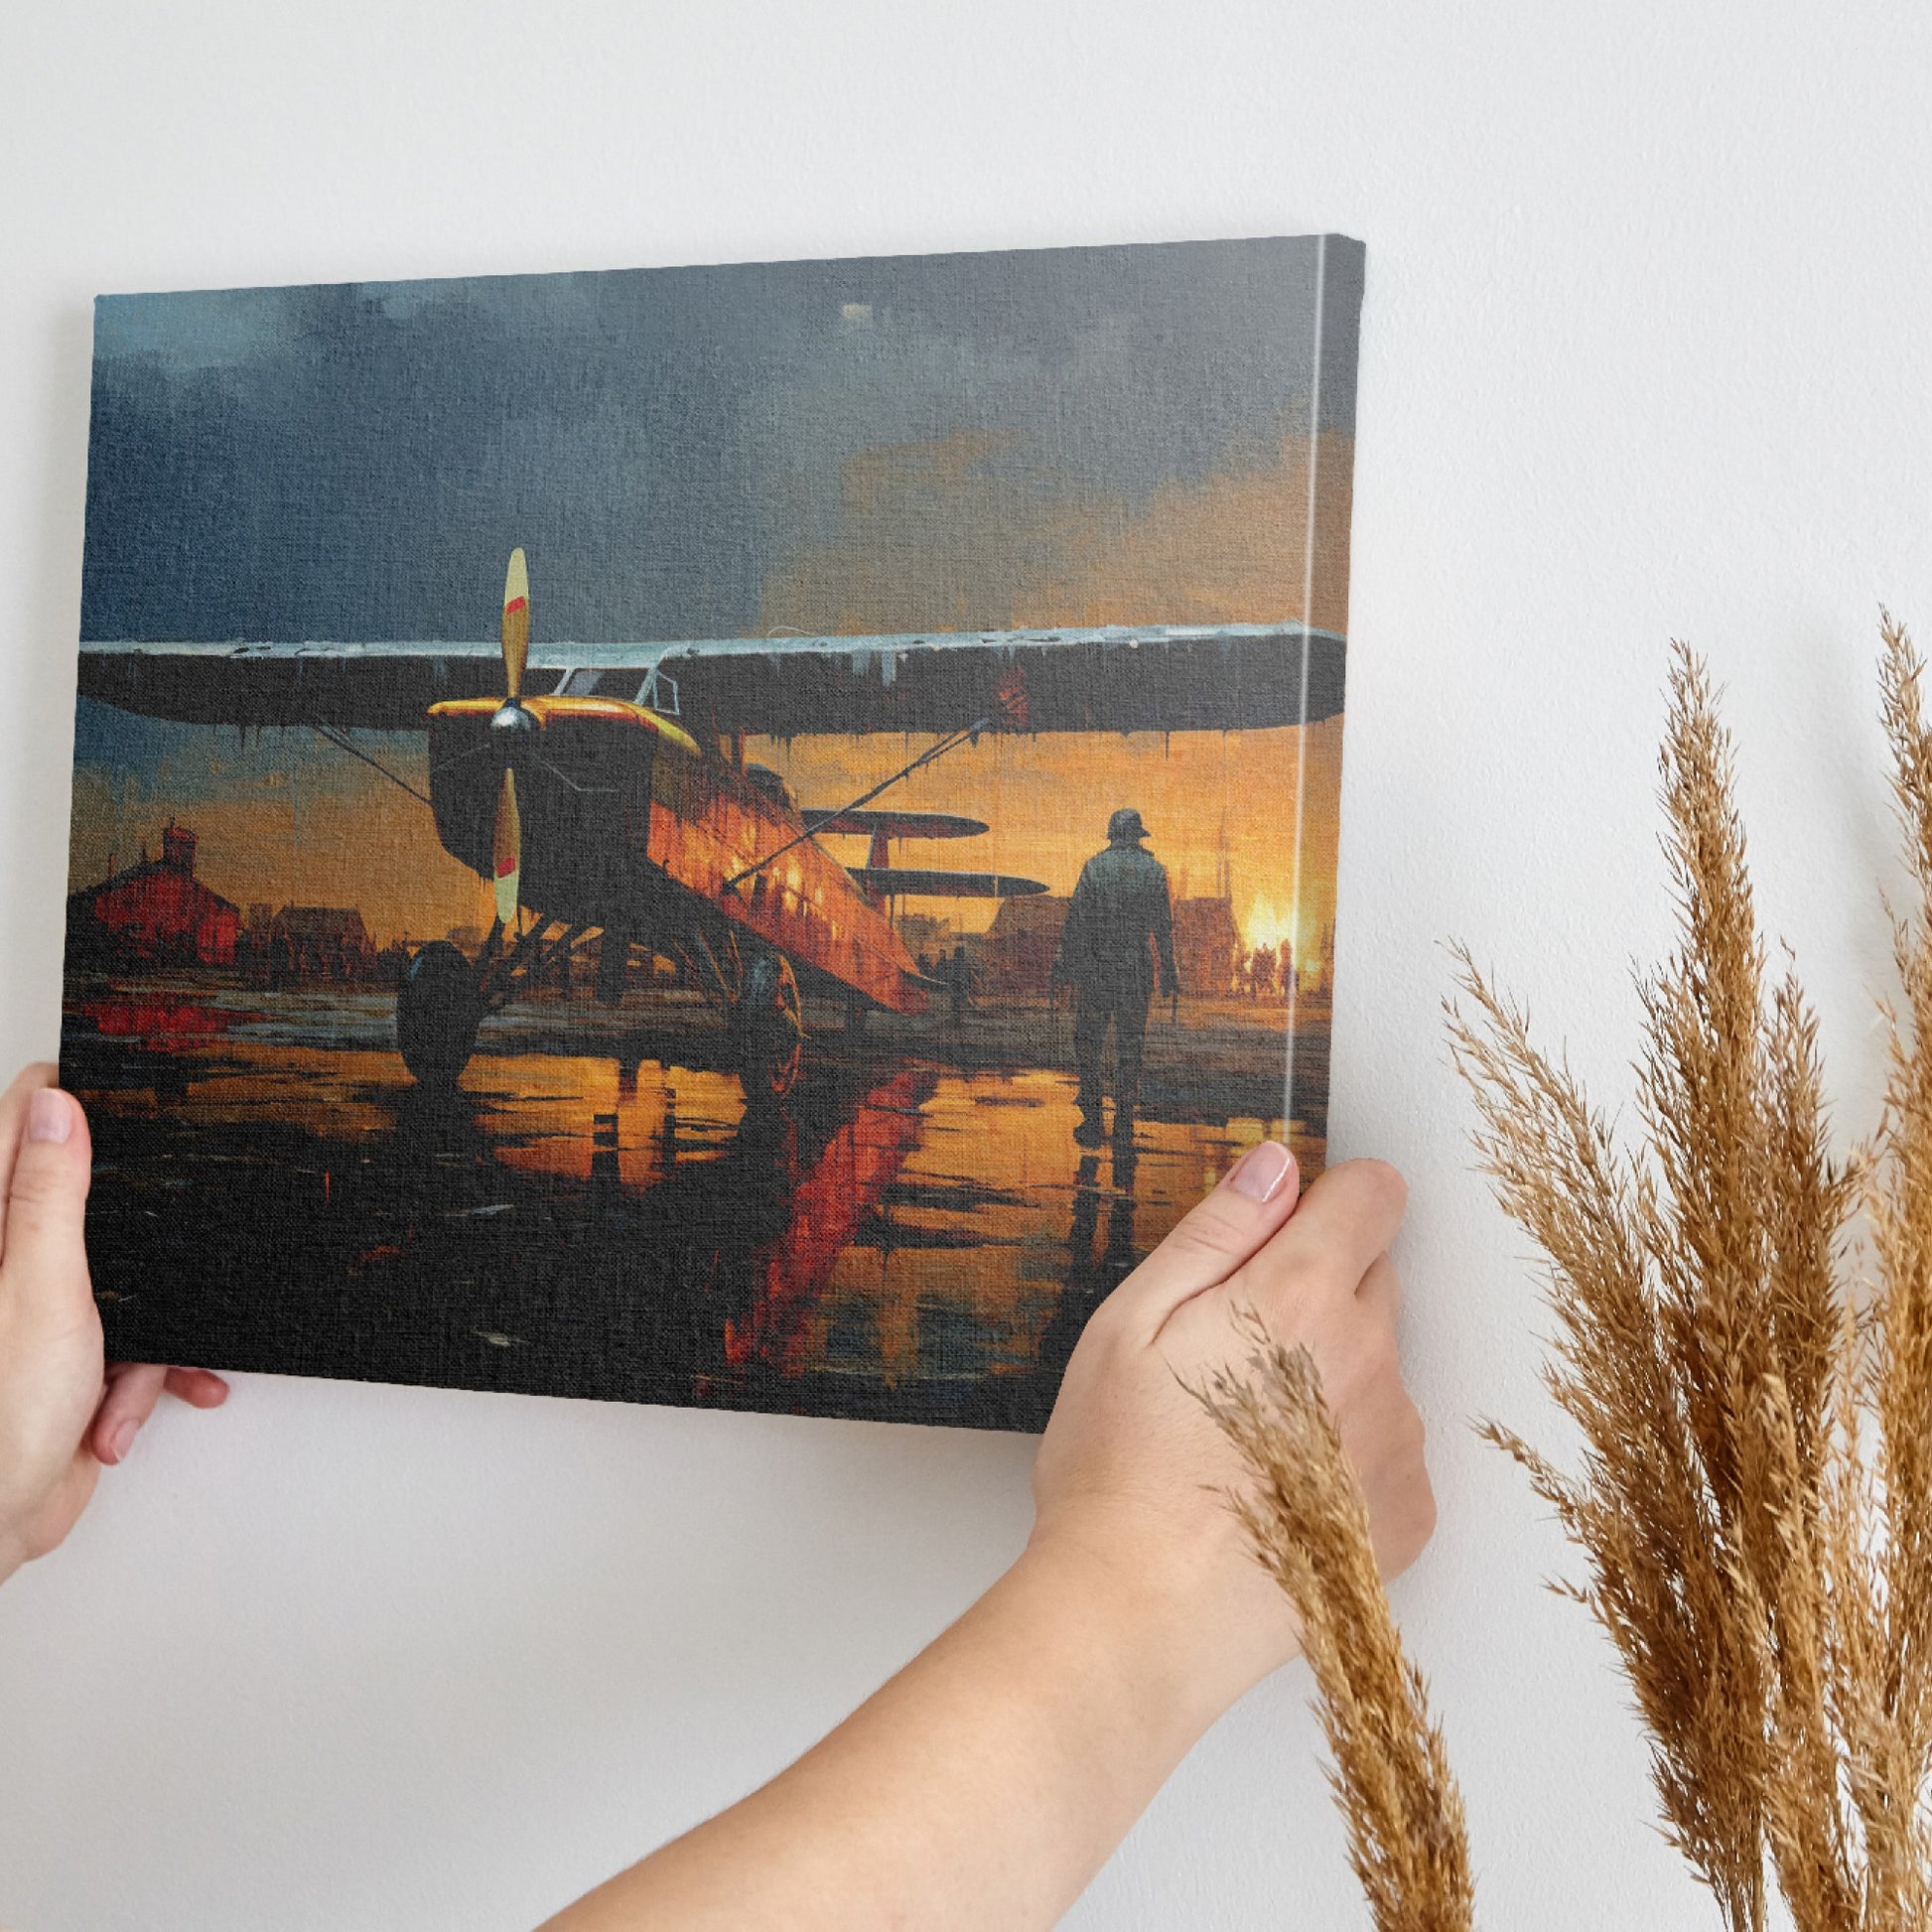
[{"x": 615, "y": 807}]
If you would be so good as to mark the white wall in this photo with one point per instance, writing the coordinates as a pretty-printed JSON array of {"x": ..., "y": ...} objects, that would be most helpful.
[{"x": 1644, "y": 352}]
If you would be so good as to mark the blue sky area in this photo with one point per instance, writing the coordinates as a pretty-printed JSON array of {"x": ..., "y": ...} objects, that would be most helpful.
[{"x": 355, "y": 460}]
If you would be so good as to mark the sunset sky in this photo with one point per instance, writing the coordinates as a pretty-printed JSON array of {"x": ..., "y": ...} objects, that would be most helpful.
[{"x": 284, "y": 818}]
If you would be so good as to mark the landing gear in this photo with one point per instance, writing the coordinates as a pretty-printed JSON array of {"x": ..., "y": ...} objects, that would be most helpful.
[
  {"x": 770, "y": 1030},
  {"x": 439, "y": 1008},
  {"x": 444, "y": 995},
  {"x": 756, "y": 990}
]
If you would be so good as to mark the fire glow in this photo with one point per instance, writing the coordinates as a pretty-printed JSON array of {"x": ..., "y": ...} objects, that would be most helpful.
[{"x": 1265, "y": 926}]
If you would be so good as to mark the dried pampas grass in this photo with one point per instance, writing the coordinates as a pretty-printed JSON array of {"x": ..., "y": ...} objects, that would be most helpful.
[
  {"x": 1309, "y": 1524},
  {"x": 1753, "y": 1498}
]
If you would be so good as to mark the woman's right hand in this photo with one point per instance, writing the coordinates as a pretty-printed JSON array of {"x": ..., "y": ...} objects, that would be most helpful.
[{"x": 1131, "y": 1472}]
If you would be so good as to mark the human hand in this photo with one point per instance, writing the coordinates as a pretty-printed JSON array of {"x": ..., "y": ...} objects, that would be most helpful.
[
  {"x": 63, "y": 1411},
  {"x": 1129, "y": 1482}
]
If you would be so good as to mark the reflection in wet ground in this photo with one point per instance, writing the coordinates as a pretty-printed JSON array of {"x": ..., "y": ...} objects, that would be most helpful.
[{"x": 907, "y": 1240}]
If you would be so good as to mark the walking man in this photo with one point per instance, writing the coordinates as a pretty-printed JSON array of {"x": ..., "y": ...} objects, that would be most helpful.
[{"x": 1119, "y": 929}]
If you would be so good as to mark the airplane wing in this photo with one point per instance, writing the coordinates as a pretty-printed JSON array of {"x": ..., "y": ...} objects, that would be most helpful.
[
  {"x": 854, "y": 823},
  {"x": 1116, "y": 678}
]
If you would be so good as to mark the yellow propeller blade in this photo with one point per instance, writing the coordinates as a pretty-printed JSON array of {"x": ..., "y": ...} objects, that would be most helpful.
[
  {"x": 507, "y": 849},
  {"x": 516, "y": 624}
]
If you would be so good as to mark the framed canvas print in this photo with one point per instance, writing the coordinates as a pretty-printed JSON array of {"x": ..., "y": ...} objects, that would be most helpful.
[{"x": 741, "y": 836}]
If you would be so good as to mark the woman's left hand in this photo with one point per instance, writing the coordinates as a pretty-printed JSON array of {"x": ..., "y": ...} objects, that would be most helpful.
[{"x": 64, "y": 1411}]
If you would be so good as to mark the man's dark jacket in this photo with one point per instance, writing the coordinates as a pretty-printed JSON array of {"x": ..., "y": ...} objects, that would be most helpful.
[{"x": 1120, "y": 920}]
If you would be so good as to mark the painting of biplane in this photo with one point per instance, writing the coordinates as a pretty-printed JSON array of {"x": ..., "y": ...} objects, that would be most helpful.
[{"x": 526, "y": 726}]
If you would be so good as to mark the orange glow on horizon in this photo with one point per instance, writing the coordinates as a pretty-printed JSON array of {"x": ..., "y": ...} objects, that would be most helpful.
[{"x": 330, "y": 832}]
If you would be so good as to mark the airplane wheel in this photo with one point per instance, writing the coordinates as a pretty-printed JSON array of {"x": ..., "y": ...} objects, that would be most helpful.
[
  {"x": 771, "y": 1028},
  {"x": 438, "y": 1014}
]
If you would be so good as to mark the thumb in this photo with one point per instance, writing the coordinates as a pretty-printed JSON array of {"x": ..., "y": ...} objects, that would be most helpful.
[
  {"x": 1237, "y": 1218},
  {"x": 43, "y": 1239}
]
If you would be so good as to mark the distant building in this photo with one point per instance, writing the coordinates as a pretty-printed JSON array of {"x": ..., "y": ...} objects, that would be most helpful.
[
  {"x": 326, "y": 942},
  {"x": 307, "y": 945},
  {"x": 1021, "y": 945},
  {"x": 155, "y": 914},
  {"x": 1207, "y": 941},
  {"x": 1025, "y": 935}
]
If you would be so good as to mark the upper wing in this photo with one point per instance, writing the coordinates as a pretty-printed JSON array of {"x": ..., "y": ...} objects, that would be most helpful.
[{"x": 1161, "y": 677}]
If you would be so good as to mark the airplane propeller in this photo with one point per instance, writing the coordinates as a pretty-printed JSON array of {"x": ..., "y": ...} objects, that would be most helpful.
[
  {"x": 506, "y": 853},
  {"x": 517, "y": 626},
  {"x": 506, "y": 844}
]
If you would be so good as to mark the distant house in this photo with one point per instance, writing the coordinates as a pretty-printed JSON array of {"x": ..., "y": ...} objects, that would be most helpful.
[
  {"x": 155, "y": 914},
  {"x": 1021, "y": 945},
  {"x": 1025, "y": 935},
  {"x": 306, "y": 944},
  {"x": 1206, "y": 942}
]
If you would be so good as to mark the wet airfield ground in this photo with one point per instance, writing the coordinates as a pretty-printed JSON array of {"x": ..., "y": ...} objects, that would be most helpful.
[{"x": 915, "y": 1236}]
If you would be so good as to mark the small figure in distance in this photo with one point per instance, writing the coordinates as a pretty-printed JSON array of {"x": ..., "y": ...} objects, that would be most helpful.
[{"x": 959, "y": 982}]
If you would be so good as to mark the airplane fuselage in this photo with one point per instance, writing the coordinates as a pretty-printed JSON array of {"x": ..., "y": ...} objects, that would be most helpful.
[{"x": 631, "y": 825}]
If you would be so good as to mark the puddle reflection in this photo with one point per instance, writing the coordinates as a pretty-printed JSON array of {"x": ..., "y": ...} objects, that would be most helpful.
[{"x": 907, "y": 1240}]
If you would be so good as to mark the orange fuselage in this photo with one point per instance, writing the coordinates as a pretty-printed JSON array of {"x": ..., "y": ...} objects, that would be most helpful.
[{"x": 630, "y": 824}]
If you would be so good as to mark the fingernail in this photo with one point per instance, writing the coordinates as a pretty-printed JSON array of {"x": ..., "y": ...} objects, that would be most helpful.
[
  {"x": 122, "y": 1440},
  {"x": 50, "y": 1116},
  {"x": 1260, "y": 1171}
]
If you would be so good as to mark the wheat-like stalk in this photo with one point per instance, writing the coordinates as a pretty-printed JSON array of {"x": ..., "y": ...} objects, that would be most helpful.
[{"x": 1307, "y": 1522}]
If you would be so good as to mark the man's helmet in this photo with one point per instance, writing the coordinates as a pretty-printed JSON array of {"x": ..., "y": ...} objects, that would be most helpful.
[{"x": 1125, "y": 827}]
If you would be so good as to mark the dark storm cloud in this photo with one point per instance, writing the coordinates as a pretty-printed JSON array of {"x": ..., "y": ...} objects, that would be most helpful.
[{"x": 356, "y": 461}]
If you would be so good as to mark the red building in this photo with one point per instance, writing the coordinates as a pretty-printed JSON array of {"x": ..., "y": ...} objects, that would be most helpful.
[{"x": 156, "y": 913}]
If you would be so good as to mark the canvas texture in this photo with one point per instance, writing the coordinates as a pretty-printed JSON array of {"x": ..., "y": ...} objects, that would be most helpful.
[{"x": 745, "y": 836}]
